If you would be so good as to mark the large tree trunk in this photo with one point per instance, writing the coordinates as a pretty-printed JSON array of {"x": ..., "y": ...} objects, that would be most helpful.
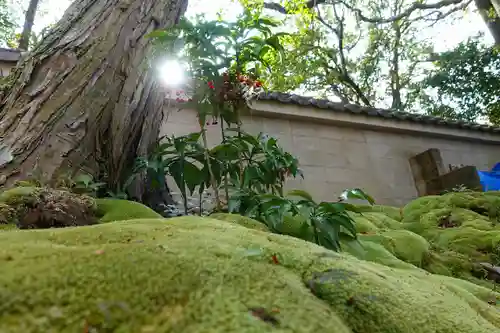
[
  {"x": 87, "y": 97},
  {"x": 488, "y": 11},
  {"x": 29, "y": 20}
]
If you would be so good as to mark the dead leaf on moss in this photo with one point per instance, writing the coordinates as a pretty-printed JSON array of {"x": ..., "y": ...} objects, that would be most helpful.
[{"x": 264, "y": 315}]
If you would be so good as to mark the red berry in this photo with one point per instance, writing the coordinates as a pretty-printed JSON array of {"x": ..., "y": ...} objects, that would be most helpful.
[{"x": 258, "y": 84}]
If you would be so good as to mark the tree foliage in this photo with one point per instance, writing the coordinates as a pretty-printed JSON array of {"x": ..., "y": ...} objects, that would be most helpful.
[
  {"x": 8, "y": 23},
  {"x": 373, "y": 52},
  {"x": 465, "y": 83}
]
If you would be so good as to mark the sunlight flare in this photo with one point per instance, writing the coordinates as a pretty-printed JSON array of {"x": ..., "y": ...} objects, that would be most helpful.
[{"x": 172, "y": 73}]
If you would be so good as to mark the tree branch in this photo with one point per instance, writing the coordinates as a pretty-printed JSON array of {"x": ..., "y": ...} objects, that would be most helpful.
[
  {"x": 441, "y": 15},
  {"x": 279, "y": 8},
  {"x": 414, "y": 7}
]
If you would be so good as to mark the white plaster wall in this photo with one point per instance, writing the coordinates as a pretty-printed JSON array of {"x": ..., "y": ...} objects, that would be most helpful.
[{"x": 337, "y": 157}]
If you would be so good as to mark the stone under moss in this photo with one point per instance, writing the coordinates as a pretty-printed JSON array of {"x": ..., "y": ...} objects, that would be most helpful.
[
  {"x": 394, "y": 213},
  {"x": 403, "y": 244},
  {"x": 487, "y": 205},
  {"x": 193, "y": 274},
  {"x": 43, "y": 207},
  {"x": 110, "y": 210}
]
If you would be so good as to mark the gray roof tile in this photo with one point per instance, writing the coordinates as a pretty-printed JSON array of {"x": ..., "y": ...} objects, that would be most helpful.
[
  {"x": 374, "y": 112},
  {"x": 9, "y": 55}
]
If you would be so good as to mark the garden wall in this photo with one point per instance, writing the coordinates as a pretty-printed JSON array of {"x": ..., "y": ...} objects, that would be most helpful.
[{"x": 347, "y": 146}]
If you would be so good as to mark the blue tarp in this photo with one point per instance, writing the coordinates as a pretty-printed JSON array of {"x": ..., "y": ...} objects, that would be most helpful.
[{"x": 490, "y": 180}]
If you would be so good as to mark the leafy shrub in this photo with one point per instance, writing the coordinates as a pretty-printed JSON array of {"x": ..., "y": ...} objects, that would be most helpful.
[{"x": 325, "y": 223}]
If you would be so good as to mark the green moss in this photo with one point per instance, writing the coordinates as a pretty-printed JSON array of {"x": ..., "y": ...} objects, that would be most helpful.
[
  {"x": 4, "y": 227},
  {"x": 394, "y": 213},
  {"x": 449, "y": 263},
  {"x": 16, "y": 194},
  {"x": 112, "y": 277},
  {"x": 382, "y": 221},
  {"x": 241, "y": 220},
  {"x": 403, "y": 244},
  {"x": 484, "y": 204},
  {"x": 374, "y": 252},
  {"x": 120, "y": 210},
  {"x": 363, "y": 224},
  {"x": 7, "y": 214}
]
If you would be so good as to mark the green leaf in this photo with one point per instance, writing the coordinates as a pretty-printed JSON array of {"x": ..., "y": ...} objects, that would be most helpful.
[
  {"x": 302, "y": 194},
  {"x": 192, "y": 176},
  {"x": 357, "y": 194},
  {"x": 332, "y": 207},
  {"x": 175, "y": 170},
  {"x": 345, "y": 221},
  {"x": 84, "y": 179},
  {"x": 276, "y": 203}
]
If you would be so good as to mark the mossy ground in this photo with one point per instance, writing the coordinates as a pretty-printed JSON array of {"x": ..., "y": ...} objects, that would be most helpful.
[
  {"x": 220, "y": 274},
  {"x": 110, "y": 210},
  {"x": 194, "y": 274}
]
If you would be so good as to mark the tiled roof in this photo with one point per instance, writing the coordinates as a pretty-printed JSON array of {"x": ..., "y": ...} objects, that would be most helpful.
[
  {"x": 374, "y": 112},
  {"x": 9, "y": 55}
]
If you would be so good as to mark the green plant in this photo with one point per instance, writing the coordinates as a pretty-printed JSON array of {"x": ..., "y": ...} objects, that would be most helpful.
[
  {"x": 224, "y": 61},
  {"x": 458, "y": 188},
  {"x": 85, "y": 184},
  {"x": 325, "y": 223},
  {"x": 180, "y": 157},
  {"x": 257, "y": 162}
]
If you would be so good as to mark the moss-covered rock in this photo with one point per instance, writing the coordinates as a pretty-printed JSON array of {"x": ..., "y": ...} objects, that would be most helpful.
[
  {"x": 14, "y": 195},
  {"x": 487, "y": 205},
  {"x": 110, "y": 210},
  {"x": 7, "y": 214},
  {"x": 41, "y": 208},
  {"x": 194, "y": 274},
  {"x": 394, "y": 213},
  {"x": 363, "y": 224},
  {"x": 374, "y": 252},
  {"x": 403, "y": 244},
  {"x": 240, "y": 220},
  {"x": 380, "y": 220}
]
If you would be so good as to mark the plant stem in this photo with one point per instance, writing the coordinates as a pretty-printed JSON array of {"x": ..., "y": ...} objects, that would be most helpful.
[
  {"x": 226, "y": 178},
  {"x": 236, "y": 110},
  {"x": 315, "y": 229},
  {"x": 210, "y": 171},
  {"x": 183, "y": 190},
  {"x": 201, "y": 203}
]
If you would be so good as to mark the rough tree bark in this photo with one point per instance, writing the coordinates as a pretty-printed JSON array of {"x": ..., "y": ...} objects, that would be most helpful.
[{"x": 85, "y": 97}]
